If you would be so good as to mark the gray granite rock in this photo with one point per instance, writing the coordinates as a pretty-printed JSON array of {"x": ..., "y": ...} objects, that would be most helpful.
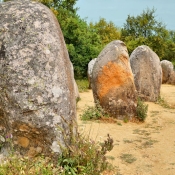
[
  {"x": 168, "y": 75},
  {"x": 113, "y": 82},
  {"x": 147, "y": 72},
  {"x": 37, "y": 96},
  {"x": 90, "y": 68}
]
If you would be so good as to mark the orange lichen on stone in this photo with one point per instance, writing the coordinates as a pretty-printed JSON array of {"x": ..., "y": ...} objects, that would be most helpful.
[
  {"x": 113, "y": 75},
  {"x": 34, "y": 151},
  {"x": 23, "y": 141},
  {"x": 24, "y": 128}
]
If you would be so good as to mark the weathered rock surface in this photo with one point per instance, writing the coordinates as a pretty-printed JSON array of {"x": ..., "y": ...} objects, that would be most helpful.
[
  {"x": 145, "y": 65},
  {"x": 77, "y": 95},
  {"x": 172, "y": 78},
  {"x": 90, "y": 68},
  {"x": 112, "y": 81},
  {"x": 168, "y": 75},
  {"x": 37, "y": 96}
]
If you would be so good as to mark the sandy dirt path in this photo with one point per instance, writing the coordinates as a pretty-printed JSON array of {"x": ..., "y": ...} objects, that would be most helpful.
[{"x": 139, "y": 149}]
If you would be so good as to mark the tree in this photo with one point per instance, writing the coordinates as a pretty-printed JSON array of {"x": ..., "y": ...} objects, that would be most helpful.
[
  {"x": 82, "y": 42},
  {"x": 170, "y": 47},
  {"x": 107, "y": 31},
  {"x": 144, "y": 29}
]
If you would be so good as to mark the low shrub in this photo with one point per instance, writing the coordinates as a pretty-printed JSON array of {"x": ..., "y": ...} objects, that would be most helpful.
[
  {"x": 94, "y": 113},
  {"x": 85, "y": 156},
  {"x": 141, "y": 110}
]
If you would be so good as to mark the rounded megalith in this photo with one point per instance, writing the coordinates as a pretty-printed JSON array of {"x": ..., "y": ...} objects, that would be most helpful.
[
  {"x": 112, "y": 81},
  {"x": 167, "y": 71},
  {"x": 147, "y": 71},
  {"x": 90, "y": 68},
  {"x": 37, "y": 96}
]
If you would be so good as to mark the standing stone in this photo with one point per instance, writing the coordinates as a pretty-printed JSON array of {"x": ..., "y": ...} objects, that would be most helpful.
[
  {"x": 172, "y": 78},
  {"x": 145, "y": 65},
  {"x": 112, "y": 81},
  {"x": 90, "y": 68},
  {"x": 77, "y": 95},
  {"x": 37, "y": 97},
  {"x": 167, "y": 72}
]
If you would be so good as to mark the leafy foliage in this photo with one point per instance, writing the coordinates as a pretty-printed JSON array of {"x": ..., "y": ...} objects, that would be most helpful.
[
  {"x": 145, "y": 29},
  {"x": 141, "y": 110},
  {"x": 106, "y": 30},
  {"x": 82, "y": 43},
  {"x": 93, "y": 113},
  {"x": 85, "y": 156}
]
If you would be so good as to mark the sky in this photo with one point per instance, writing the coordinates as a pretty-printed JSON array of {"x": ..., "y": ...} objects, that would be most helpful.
[{"x": 117, "y": 11}]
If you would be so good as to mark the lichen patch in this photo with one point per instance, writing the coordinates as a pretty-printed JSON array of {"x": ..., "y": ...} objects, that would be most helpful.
[{"x": 113, "y": 75}]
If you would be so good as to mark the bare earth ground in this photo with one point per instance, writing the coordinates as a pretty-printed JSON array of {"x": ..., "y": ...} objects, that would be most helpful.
[{"x": 147, "y": 148}]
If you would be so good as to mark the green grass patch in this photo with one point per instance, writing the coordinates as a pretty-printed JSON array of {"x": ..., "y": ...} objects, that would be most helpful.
[
  {"x": 82, "y": 84},
  {"x": 149, "y": 143},
  {"x": 128, "y": 158},
  {"x": 127, "y": 141},
  {"x": 23, "y": 165},
  {"x": 161, "y": 101},
  {"x": 141, "y": 132}
]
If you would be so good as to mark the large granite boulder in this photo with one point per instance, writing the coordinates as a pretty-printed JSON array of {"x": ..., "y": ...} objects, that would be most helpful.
[
  {"x": 90, "y": 68},
  {"x": 112, "y": 81},
  {"x": 37, "y": 97},
  {"x": 167, "y": 72},
  {"x": 145, "y": 65}
]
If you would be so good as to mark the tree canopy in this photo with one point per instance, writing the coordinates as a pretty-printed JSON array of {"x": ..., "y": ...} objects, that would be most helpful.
[
  {"x": 106, "y": 30},
  {"x": 145, "y": 29}
]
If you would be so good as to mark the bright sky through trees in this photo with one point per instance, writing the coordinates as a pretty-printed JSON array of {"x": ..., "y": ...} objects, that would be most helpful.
[{"x": 118, "y": 10}]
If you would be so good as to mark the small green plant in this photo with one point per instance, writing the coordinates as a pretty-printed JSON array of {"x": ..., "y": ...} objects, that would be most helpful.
[
  {"x": 94, "y": 113},
  {"x": 128, "y": 158},
  {"x": 125, "y": 120},
  {"x": 78, "y": 99},
  {"x": 141, "y": 110},
  {"x": 91, "y": 113},
  {"x": 119, "y": 123},
  {"x": 83, "y": 85}
]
